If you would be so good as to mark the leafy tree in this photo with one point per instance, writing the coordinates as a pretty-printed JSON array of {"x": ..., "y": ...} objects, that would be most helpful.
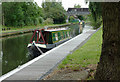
[
  {"x": 71, "y": 18},
  {"x": 95, "y": 9},
  {"x": 55, "y": 11},
  {"x": 95, "y": 16},
  {"x": 48, "y": 21},
  {"x": 93, "y": 23},
  {"x": 19, "y": 14},
  {"x": 80, "y": 17},
  {"x": 77, "y": 6}
]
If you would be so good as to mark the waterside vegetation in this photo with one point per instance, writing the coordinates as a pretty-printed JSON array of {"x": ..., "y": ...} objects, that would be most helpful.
[{"x": 25, "y": 14}]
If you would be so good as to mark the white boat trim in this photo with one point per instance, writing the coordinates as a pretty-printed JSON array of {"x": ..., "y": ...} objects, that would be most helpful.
[{"x": 38, "y": 45}]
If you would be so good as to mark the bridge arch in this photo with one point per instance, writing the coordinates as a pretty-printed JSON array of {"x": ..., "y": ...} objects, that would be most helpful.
[{"x": 77, "y": 11}]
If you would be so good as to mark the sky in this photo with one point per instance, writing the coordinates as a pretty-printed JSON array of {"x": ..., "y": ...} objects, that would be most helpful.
[{"x": 68, "y": 3}]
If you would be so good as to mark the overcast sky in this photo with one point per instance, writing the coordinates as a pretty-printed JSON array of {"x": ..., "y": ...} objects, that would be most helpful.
[{"x": 68, "y": 3}]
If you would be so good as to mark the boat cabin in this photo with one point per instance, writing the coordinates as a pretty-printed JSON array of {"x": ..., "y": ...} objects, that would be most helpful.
[{"x": 50, "y": 36}]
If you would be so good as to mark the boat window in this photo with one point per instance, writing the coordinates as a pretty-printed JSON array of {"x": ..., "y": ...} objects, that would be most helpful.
[
  {"x": 65, "y": 34},
  {"x": 59, "y": 37},
  {"x": 53, "y": 36},
  {"x": 40, "y": 37},
  {"x": 56, "y": 36},
  {"x": 68, "y": 34},
  {"x": 62, "y": 35}
]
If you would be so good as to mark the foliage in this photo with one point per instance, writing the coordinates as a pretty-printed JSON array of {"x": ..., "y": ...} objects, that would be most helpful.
[
  {"x": 55, "y": 11},
  {"x": 95, "y": 18},
  {"x": 88, "y": 54},
  {"x": 19, "y": 14},
  {"x": 80, "y": 17},
  {"x": 95, "y": 9},
  {"x": 71, "y": 18},
  {"x": 77, "y": 6},
  {"x": 41, "y": 20},
  {"x": 95, "y": 24},
  {"x": 48, "y": 21}
]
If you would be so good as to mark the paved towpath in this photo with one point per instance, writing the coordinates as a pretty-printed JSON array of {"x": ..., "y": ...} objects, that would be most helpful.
[{"x": 38, "y": 67}]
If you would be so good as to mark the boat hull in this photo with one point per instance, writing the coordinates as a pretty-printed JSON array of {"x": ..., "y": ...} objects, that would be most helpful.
[{"x": 34, "y": 52}]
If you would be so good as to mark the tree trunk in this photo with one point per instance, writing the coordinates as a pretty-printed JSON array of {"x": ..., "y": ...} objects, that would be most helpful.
[{"x": 109, "y": 65}]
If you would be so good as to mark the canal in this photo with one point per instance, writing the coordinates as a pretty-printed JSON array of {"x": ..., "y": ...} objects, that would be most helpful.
[{"x": 14, "y": 51}]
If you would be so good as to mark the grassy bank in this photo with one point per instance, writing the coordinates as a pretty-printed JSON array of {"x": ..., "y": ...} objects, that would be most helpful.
[
  {"x": 88, "y": 54},
  {"x": 27, "y": 27}
]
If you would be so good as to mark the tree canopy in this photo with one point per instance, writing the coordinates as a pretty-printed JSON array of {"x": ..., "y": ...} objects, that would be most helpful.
[
  {"x": 55, "y": 11},
  {"x": 20, "y": 14},
  {"x": 77, "y": 6},
  {"x": 95, "y": 17}
]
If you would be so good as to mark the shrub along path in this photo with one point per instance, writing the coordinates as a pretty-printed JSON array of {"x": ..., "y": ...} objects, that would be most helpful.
[{"x": 82, "y": 63}]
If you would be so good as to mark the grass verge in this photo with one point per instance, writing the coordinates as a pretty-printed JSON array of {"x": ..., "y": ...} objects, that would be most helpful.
[
  {"x": 27, "y": 27},
  {"x": 86, "y": 55}
]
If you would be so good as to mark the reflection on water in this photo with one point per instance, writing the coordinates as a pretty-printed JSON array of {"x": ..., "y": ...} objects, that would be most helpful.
[
  {"x": 1, "y": 54},
  {"x": 15, "y": 52}
]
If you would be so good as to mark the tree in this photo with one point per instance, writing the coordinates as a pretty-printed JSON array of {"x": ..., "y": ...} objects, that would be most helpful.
[
  {"x": 95, "y": 18},
  {"x": 80, "y": 17},
  {"x": 71, "y": 18},
  {"x": 95, "y": 9},
  {"x": 18, "y": 14},
  {"x": 55, "y": 11},
  {"x": 109, "y": 65},
  {"x": 77, "y": 6}
]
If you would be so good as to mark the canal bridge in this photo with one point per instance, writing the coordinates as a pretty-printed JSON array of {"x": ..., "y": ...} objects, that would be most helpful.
[{"x": 77, "y": 11}]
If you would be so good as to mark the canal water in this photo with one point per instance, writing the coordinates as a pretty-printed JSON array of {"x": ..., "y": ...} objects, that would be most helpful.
[{"x": 14, "y": 51}]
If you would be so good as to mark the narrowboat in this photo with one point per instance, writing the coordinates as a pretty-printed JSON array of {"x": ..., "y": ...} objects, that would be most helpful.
[{"x": 45, "y": 39}]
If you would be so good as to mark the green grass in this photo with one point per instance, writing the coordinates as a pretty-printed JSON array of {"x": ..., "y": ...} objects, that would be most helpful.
[
  {"x": 27, "y": 27},
  {"x": 89, "y": 53}
]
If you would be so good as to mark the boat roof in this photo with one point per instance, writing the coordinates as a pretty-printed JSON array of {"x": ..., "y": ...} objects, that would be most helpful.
[{"x": 56, "y": 29}]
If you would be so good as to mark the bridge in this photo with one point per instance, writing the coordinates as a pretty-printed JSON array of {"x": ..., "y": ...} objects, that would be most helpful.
[{"x": 78, "y": 11}]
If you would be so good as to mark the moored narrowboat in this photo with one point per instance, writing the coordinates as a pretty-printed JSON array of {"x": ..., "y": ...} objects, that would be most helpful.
[{"x": 45, "y": 39}]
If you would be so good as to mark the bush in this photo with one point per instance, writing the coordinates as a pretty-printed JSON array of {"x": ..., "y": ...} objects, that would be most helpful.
[
  {"x": 28, "y": 21},
  {"x": 71, "y": 18},
  {"x": 95, "y": 24},
  {"x": 21, "y": 23},
  {"x": 41, "y": 20},
  {"x": 48, "y": 21},
  {"x": 36, "y": 21}
]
